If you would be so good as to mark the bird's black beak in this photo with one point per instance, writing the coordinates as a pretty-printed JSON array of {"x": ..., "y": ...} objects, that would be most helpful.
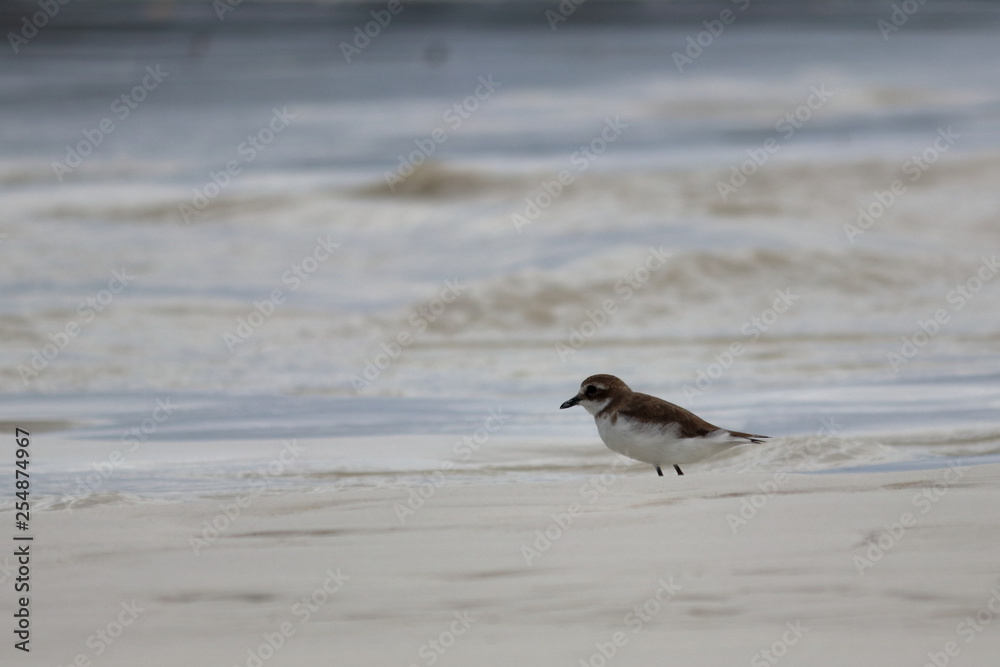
[{"x": 570, "y": 403}]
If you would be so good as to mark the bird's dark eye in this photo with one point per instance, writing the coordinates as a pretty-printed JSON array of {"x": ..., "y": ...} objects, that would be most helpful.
[{"x": 591, "y": 390}]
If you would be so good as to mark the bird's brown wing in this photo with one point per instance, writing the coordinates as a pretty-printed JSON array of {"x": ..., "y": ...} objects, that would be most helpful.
[
  {"x": 646, "y": 408},
  {"x": 643, "y": 407}
]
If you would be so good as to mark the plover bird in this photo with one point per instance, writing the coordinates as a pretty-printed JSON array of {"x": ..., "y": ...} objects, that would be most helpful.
[{"x": 649, "y": 429}]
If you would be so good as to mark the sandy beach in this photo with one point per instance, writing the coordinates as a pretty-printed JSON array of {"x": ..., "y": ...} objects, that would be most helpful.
[{"x": 708, "y": 569}]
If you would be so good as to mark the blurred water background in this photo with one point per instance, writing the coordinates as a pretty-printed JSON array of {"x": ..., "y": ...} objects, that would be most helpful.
[{"x": 347, "y": 224}]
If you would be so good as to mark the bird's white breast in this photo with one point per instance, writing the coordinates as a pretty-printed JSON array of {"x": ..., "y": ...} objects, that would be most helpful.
[{"x": 659, "y": 443}]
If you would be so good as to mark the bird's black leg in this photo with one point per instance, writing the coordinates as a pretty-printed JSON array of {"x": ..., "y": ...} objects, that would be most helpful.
[
  {"x": 658, "y": 471},
  {"x": 678, "y": 469}
]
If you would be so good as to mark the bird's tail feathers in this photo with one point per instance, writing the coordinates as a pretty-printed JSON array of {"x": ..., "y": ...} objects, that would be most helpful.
[{"x": 755, "y": 439}]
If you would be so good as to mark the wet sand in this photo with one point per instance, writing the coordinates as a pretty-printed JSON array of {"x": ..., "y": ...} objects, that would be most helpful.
[{"x": 708, "y": 569}]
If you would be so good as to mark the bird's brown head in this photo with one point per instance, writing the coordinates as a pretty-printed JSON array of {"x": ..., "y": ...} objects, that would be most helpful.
[{"x": 596, "y": 392}]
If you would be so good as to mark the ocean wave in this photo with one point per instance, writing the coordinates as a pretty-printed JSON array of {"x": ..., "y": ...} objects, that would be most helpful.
[
  {"x": 166, "y": 205},
  {"x": 654, "y": 291},
  {"x": 809, "y": 454},
  {"x": 787, "y": 189},
  {"x": 749, "y": 102},
  {"x": 35, "y": 171},
  {"x": 438, "y": 180}
]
